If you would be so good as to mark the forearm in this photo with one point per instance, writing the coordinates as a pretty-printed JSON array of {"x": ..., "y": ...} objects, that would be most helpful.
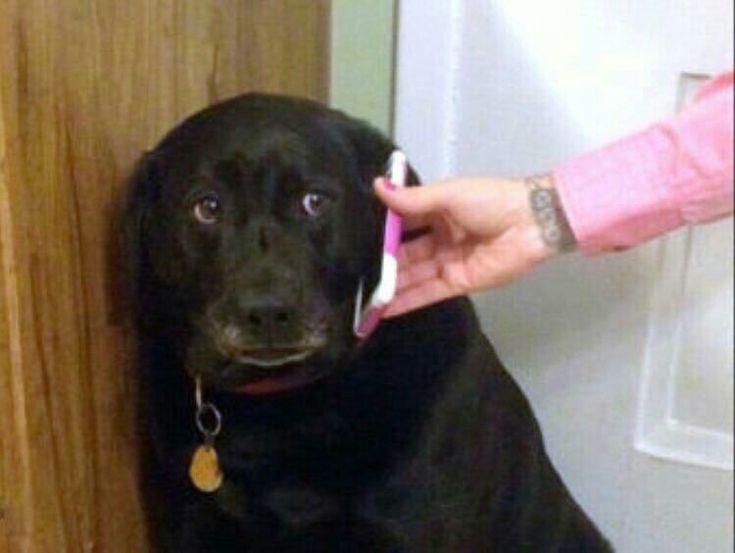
[{"x": 676, "y": 172}]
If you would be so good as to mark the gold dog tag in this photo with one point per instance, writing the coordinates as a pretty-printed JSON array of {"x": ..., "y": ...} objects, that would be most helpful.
[{"x": 204, "y": 471}]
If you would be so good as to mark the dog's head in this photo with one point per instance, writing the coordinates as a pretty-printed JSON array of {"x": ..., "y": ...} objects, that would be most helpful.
[{"x": 250, "y": 227}]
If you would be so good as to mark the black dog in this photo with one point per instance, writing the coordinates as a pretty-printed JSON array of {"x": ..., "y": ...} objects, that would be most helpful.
[{"x": 250, "y": 227}]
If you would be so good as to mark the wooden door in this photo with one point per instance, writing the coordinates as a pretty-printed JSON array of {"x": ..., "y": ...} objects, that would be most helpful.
[{"x": 85, "y": 87}]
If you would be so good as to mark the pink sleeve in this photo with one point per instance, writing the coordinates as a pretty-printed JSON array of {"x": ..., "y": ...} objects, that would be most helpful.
[{"x": 676, "y": 172}]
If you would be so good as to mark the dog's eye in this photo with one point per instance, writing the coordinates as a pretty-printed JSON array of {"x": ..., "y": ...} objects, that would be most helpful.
[
  {"x": 207, "y": 209},
  {"x": 315, "y": 203}
]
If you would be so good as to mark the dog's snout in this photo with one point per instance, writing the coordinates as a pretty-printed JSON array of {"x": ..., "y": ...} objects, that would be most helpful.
[{"x": 260, "y": 323}]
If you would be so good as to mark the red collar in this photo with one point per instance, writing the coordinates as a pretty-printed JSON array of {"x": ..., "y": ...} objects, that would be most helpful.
[{"x": 276, "y": 384}]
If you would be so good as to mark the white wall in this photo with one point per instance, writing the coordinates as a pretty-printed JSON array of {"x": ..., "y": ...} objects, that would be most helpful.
[{"x": 511, "y": 87}]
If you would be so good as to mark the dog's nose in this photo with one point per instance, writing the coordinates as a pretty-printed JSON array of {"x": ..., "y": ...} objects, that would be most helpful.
[{"x": 270, "y": 322}]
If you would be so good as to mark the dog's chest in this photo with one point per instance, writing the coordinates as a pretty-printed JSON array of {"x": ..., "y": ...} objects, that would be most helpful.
[{"x": 302, "y": 473}]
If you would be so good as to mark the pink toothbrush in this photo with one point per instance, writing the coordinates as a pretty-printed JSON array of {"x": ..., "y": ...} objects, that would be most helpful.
[{"x": 367, "y": 318}]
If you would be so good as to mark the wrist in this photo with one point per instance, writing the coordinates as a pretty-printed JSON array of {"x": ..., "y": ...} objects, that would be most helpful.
[{"x": 548, "y": 215}]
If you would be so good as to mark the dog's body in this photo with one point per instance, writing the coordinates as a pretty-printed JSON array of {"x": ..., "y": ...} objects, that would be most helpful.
[{"x": 416, "y": 441}]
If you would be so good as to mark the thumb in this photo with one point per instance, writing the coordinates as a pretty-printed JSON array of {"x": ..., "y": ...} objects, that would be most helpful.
[{"x": 411, "y": 201}]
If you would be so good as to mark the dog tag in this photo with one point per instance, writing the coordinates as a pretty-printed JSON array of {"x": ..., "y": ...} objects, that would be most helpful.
[{"x": 205, "y": 472}]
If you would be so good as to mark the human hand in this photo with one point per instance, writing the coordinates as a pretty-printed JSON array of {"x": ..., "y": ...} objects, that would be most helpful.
[{"x": 484, "y": 232}]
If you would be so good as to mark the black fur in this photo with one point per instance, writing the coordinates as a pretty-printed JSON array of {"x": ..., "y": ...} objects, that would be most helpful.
[{"x": 417, "y": 441}]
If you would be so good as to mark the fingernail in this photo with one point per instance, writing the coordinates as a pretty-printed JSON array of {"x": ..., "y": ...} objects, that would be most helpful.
[{"x": 387, "y": 184}]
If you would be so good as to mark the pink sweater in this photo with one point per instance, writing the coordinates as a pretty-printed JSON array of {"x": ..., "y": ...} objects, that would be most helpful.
[{"x": 677, "y": 172}]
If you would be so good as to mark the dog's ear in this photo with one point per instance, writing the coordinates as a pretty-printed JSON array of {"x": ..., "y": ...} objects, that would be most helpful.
[
  {"x": 372, "y": 150},
  {"x": 143, "y": 192}
]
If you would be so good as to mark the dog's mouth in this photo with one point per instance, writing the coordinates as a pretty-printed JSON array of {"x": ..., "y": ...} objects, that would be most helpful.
[
  {"x": 274, "y": 358},
  {"x": 275, "y": 370},
  {"x": 238, "y": 363}
]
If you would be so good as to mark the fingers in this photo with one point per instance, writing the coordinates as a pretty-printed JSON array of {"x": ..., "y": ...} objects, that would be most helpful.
[
  {"x": 411, "y": 222},
  {"x": 419, "y": 278},
  {"x": 419, "y": 281},
  {"x": 418, "y": 261},
  {"x": 418, "y": 273},
  {"x": 417, "y": 250},
  {"x": 415, "y": 201},
  {"x": 421, "y": 295}
]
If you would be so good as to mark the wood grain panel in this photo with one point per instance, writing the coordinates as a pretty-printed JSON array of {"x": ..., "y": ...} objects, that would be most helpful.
[{"x": 85, "y": 87}]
